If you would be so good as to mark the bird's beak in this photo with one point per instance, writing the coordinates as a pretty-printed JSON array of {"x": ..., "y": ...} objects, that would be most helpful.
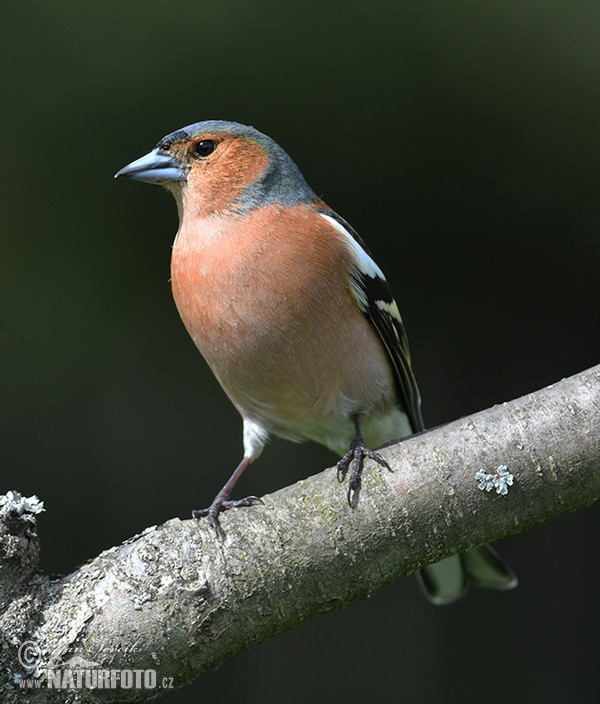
[{"x": 153, "y": 168}]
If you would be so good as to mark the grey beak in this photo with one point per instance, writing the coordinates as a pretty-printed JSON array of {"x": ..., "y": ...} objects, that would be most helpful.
[{"x": 153, "y": 168}]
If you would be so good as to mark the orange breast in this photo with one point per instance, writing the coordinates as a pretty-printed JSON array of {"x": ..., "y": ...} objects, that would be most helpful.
[{"x": 266, "y": 299}]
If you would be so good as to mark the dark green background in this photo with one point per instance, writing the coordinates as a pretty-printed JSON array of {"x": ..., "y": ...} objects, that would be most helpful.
[{"x": 462, "y": 140}]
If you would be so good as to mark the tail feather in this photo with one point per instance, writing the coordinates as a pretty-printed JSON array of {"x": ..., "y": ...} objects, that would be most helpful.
[
  {"x": 485, "y": 568},
  {"x": 446, "y": 581}
]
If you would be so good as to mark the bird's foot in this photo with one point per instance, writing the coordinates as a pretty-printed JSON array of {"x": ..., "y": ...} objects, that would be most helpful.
[
  {"x": 223, "y": 503},
  {"x": 355, "y": 459}
]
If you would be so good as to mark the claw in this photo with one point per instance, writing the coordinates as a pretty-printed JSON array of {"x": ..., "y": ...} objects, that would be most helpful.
[
  {"x": 222, "y": 504},
  {"x": 355, "y": 458},
  {"x": 342, "y": 466}
]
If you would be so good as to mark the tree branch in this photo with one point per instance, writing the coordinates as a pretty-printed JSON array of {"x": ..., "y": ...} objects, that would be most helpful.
[{"x": 176, "y": 601}]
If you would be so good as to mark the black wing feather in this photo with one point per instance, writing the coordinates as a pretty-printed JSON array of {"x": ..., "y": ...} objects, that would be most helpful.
[{"x": 377, "y": 302}]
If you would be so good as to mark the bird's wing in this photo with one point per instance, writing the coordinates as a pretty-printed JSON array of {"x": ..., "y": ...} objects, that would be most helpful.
[{"x": 376, "y": 300}]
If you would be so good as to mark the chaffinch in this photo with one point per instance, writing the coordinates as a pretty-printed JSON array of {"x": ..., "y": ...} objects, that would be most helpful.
[{"x": 292, "y": 314}]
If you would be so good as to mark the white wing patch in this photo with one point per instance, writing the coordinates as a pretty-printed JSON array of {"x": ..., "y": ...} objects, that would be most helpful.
[
  {"x": 389, "y": 308},
  {"x": 363, "y": 261}
]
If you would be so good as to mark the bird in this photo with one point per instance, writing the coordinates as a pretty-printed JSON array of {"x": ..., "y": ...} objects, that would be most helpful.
[{"x": 293, "y": 315}]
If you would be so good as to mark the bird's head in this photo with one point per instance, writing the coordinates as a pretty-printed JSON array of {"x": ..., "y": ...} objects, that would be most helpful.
[{"x": 215, "y": 166}]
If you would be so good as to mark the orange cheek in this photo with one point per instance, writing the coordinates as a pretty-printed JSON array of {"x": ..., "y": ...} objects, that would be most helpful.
[{"x": 215, "y": 184}]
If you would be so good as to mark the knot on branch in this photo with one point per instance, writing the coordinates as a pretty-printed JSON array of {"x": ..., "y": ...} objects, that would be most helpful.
[{"x": 19, "y": 542}]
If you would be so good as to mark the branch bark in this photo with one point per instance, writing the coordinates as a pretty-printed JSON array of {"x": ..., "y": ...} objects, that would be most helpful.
[{"x": 176, "y": 601}]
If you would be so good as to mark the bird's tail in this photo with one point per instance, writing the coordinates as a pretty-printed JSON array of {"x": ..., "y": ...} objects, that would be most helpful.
[{"x": 447, "y": 580}]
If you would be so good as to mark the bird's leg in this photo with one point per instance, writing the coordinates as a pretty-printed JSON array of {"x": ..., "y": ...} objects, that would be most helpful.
[
  {"x": 222, "y": 502},
  {"x": 355, "y": 459}
]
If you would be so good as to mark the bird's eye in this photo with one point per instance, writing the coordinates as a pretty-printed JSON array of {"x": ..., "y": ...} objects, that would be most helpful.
[{"x": 205, "y": 147}]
